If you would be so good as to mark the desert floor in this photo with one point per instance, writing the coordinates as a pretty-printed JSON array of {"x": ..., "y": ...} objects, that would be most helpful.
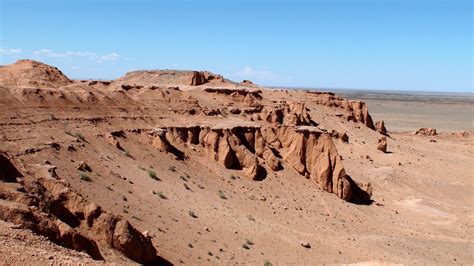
[{"x": 408, "y": 111}]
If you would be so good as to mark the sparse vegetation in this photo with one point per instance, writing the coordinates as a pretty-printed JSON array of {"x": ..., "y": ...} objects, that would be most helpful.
[
  {"x": 84, "y": 177},
  {"x": 267, "y": 263},
  {"x": 80, "y": 136},
  {"x": 248, "y": 242},
  {"x": 152, "y": 174},
  {"x": 126, "y": 153},
  {"x": 161, "y": 195},
  {"x": 233, "y": 177},
  {"x": 172, "y": 168},
  {"x": 192, "y": 214},
  {"x": 124, "y": 210},
  {"x": 66, "y": 129},
  {"x": 141, "y": 168},
  {"x": 251, "y": 218},
  {"x": 221, "y": 195}
]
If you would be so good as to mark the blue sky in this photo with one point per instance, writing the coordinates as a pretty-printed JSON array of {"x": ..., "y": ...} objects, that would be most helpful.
[{"x": 369, "y": 44}]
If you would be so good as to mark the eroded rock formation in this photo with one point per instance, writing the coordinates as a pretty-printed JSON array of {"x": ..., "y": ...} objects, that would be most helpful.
[
  {"x": 426, "y": 131},
  {"x": 359, "y": 111},
  {"x": 380, "y": 127},
  {"x": 382, "y": 144},
  {"x": 167, "y": 77},
  {"x": 292, "y": 113},
  {"x": 45, "y": 204},
  {"x": 308, "y": 150}
]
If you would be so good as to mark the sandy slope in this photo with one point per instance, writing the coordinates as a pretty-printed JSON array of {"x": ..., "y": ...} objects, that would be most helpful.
[{"x": 422, "y": 191}]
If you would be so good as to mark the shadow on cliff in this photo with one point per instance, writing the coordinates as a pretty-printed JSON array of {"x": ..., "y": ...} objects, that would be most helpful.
[
  {"x": 8, "y": 171},
  {"x": 359, "y": 195},
  {"x": 160, "y": 261},
  {"x": 261, "y": 174}
]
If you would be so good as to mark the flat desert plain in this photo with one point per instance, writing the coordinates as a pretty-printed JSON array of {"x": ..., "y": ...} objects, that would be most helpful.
[
  {"x": 188, "y": 167},
  {"x": 408, "y": 111}
]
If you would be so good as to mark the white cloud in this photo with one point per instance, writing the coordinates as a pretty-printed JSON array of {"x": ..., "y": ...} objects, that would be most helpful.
[
  {"x": 108, "y": 57},
  {"x": 83, "y": 54},
  {"x": 6, "y": 51},
  {"x": 261, "y": 75}
]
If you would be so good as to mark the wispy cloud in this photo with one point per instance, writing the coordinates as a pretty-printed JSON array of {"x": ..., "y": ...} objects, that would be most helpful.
[
  {"x": 7, "y": 51},
  {"x": 261, "y": 75},
  {"x": 83, "y": 54},
  {"x": 108, "y": 57}
]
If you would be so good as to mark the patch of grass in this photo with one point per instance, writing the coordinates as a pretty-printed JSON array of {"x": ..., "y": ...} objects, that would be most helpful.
[
  {"x": 161, "y": 195},
  {"x": 221, "y": 195},
  {"x": 152, "y": 174},
  {"x": 192, "y": 214},
  {"x": 251, "y": 218},
  {"x": 80, "y": 136},
  {"x": 66, "y": 130},
  {"x": 84, "y": 177}
]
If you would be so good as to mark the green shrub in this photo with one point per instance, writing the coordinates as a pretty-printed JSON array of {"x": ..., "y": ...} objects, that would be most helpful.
[
  {"x": 221, "y": 195},
  {"x": 192, "y": 214},
  {"x": 152, "y": 174},
  {"x": 126, "y": 153},
  {"x": 84, "y": 177},
  {"x": 80, "y": 136}
]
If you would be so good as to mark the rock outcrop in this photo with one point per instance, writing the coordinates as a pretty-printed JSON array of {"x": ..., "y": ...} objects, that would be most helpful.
[
  {"x": 247, "y": 83},
  {"x": 167, "y": 77},
  {"x": 308, "y": 150},
  {"x": 292, "y": 113},
  {"x": 382, "y": 144},
  {"x": 380, "y": 127},
  {"x": 426, "y": 132},
  {"x": 45, "y": 204},
  {"x": 358, "y": 110}
]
